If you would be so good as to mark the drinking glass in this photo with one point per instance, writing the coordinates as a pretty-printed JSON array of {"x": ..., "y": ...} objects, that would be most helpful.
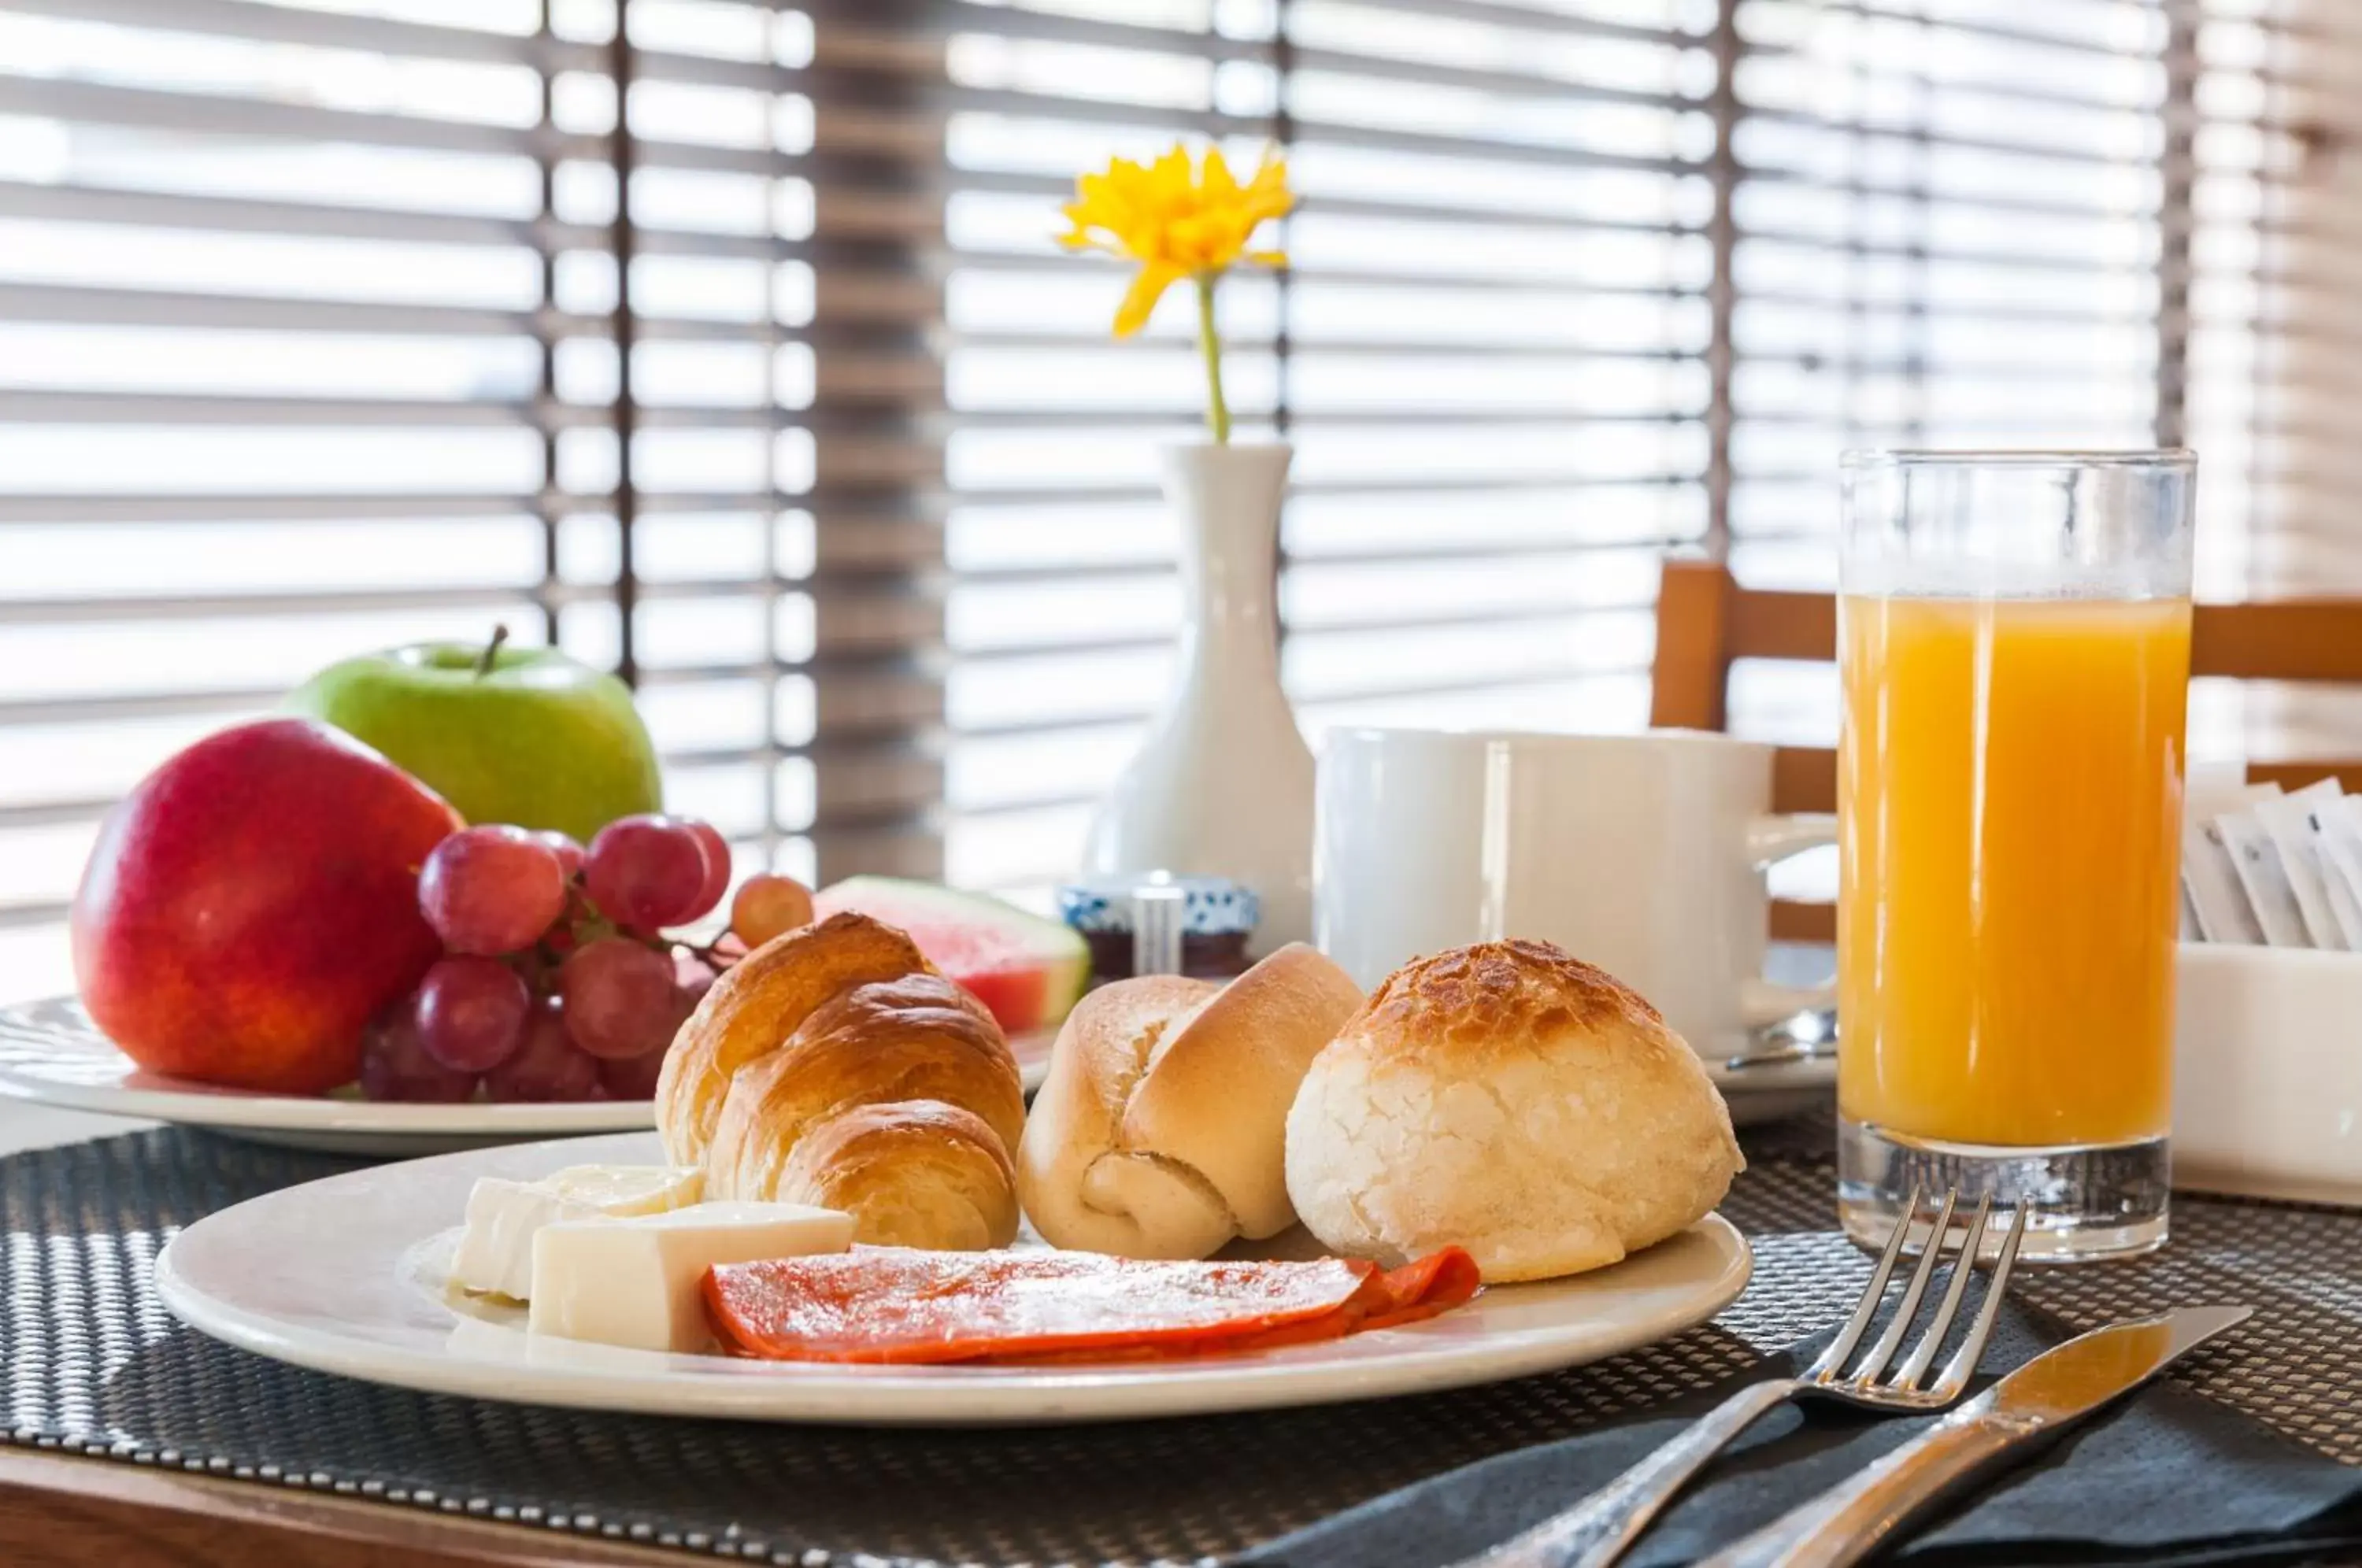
[{"x": 2013, "y": 646}]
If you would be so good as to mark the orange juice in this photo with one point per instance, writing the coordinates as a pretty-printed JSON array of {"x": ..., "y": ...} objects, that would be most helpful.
[{"x": 2010, "y": 806}]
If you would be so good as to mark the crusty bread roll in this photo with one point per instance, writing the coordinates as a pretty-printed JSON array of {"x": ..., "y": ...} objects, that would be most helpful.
[
  {"x": 757, "y": 1003},
  {"x": 1158, "y": 1132},
  {"x": 1510, "y": 1099},
  {"x": 835, "y": 1066},
  {"x": 919, "y": 1037},
  {"x": 912, "y": 1174}
]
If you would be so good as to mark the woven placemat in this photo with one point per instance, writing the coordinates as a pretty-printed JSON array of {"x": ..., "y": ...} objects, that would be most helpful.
[{"x": 94, "y": 1364}]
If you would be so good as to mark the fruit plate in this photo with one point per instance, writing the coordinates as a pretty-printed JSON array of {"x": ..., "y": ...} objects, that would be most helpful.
[
  {"x": 51, "y": 1053},
  {"x": 343, "y": 1276}
]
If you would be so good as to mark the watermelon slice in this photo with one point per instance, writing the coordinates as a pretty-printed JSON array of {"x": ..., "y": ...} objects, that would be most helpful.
[{"x": 1028, "y": 970}]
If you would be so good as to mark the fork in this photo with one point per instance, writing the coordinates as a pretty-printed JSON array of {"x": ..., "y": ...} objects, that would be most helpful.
[{"x": 1601, "y": 1528}]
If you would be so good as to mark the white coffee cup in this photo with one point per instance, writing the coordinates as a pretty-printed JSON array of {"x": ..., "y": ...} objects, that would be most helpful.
[{"x": 1643, "y": 854}]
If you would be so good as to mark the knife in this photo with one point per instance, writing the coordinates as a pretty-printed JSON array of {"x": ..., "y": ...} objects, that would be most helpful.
[{"x": 2055, "y": 1389}]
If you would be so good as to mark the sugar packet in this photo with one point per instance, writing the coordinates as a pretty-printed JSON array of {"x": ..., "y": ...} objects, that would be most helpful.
[
  {"x": 2210, "y": 872},
  {"x": 2255, "y": 860},
  {"x": 2291, "y": 821},
  {"x": 2338, "y": 826}
]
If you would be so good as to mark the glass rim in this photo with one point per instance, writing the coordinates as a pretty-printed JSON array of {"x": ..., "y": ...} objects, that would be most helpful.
[{"x": 1861, "y": 457}]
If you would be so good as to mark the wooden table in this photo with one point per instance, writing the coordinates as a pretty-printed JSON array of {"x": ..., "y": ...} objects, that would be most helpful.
[{"x": 73, "y": 1512}]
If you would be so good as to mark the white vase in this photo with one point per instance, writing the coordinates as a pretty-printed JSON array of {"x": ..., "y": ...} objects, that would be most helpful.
[{"x": 1222, "y": 784}]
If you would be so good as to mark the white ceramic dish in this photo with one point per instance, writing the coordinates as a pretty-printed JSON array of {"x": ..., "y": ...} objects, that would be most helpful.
[
  {"x": 1774, "y": 1088},
  {"x": 2268, "y": 1073},
  {"x": 51, "y": 1053},
  {"x": 340, "y": 1276}
]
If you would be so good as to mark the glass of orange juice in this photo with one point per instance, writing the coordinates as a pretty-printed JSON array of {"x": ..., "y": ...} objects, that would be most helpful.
[{"x": 2013, "y": 647}]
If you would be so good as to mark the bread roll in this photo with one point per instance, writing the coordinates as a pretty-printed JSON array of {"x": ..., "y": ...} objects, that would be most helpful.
[
  {"x": 1158, "y": 1132},
  {"x": 1080, "y": 1189},
  {"x": 757, "y": 1004},
  {"x": 835, "y": 1066},
  {"x": 917, "y": 1037},
  {"x": 912, "y": 1174},
  {"x": 1512, "y": 1101},
  {"x": 1217, "y": 1091}
]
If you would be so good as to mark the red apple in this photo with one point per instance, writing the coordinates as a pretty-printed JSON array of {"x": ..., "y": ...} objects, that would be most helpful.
[{"x": 254, "y": 903}]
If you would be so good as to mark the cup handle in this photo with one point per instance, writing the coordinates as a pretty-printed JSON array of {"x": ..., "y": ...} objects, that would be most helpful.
[
  {"x": 1771, "y": 839},
  {"x": 1765, "y": 1002}
]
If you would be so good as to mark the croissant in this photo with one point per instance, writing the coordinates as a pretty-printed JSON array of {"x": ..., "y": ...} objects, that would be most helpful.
[
  {"x": 917, "y": 1038},
  {"x": 835, "y": 1065}
]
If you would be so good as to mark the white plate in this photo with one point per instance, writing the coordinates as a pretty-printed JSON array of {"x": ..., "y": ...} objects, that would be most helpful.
[
  {"x": 52, "y": 1054},
  {"x": 337, "y": 1275}
]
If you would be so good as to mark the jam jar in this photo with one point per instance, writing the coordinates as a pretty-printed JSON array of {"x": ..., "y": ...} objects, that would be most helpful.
[{"x": 1215, "y": 917}]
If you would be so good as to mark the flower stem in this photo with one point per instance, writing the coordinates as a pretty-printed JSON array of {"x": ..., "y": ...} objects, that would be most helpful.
[{"x": 1209, "y": 338}]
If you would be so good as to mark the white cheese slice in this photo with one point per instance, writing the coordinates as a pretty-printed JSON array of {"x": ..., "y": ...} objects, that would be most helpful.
[
  {"x": 622, "y": 1192},
  {"x": 635, "y": 1283},
  {"x": 495, "y": 1254}
]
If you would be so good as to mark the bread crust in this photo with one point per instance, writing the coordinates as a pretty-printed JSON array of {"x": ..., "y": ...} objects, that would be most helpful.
[
  {"x": 1077, "y": 1187},
  {"x": 914, "y": 1173},
  {"x": 1217, "y": 1091}
]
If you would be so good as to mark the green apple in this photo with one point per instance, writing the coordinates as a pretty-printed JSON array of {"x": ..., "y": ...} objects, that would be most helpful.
[{"x": 506, "y": 734}]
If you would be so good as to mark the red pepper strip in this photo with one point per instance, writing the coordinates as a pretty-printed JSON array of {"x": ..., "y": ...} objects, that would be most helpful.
[
  {"x": 894, "y": 1305},
  {"x": 1425, "y": 1287}
]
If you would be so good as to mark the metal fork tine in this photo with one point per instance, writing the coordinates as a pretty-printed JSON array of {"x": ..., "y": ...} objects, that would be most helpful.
[
  {"x": 1841, "y": 1348},
  {"x": 1958, "y": 1370},
  {"x": 1950, "y": 1308},
  {"x": 1883, "y": 1350}
]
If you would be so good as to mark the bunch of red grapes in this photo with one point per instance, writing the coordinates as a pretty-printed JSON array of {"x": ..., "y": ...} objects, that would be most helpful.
[{"x": 556, "y": 982}]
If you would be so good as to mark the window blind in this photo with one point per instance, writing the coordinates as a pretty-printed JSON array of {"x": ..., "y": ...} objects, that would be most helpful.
[
  {"x": 2273, "y": 322},
  {"x": 1950, "y": 233},
  {"x": 311, "y": 323},
  {"x": 331, "y": 324}
]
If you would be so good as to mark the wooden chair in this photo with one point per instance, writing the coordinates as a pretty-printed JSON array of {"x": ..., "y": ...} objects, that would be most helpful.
[{"x": 1705, "y": 621}]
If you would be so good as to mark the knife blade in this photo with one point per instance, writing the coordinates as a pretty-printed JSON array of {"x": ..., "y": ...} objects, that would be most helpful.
[{"x": 2040, "y": 1400}]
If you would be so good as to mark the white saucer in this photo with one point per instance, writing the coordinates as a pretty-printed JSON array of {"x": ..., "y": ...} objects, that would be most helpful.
[
  {"x": 1774, "y": 1087},
  {"x": 52, "y": 1054},
  {"x": 337, "y": 1275}
]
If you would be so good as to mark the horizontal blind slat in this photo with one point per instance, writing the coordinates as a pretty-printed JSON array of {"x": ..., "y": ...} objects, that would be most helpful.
[
  {"x": 151, "y": 209},
  {"x": 148, "y": 108},
  {"x": 283, "y": 23}
]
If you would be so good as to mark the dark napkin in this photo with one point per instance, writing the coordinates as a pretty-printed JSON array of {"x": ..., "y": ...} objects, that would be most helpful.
[{"x": 2167, "y": 1476}]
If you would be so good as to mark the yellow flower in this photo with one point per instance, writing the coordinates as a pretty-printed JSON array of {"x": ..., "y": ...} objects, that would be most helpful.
[{"x": 1177, "y": 221}]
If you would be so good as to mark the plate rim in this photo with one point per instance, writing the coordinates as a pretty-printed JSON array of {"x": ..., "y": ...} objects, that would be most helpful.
[{"x": 936, "y": 1397}]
